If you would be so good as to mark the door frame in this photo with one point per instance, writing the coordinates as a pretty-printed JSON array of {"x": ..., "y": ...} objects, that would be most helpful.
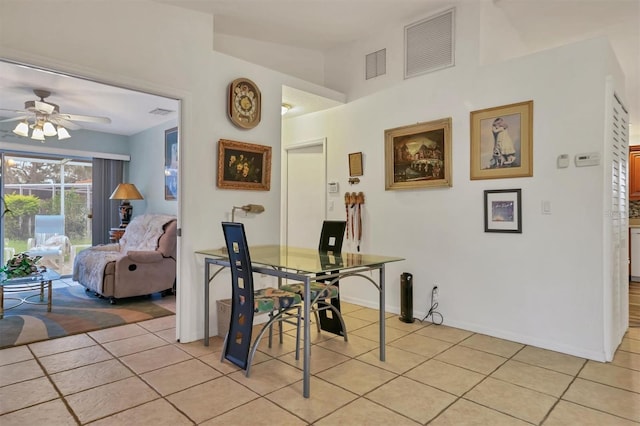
[
  {"x": 284, "y": 219},
  {"x": 184, "y": 99}
]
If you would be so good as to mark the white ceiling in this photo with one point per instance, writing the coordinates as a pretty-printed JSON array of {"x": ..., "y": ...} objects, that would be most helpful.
[{"x": 323, "y": 24}]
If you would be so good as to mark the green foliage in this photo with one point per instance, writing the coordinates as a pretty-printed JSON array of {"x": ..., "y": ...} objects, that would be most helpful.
[
  {"x": 20, "y": 208},
  {"x": 21, "y": 265}
]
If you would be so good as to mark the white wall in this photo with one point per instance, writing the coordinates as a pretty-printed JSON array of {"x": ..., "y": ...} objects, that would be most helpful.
[
  {"x": 542, "y": 287},
  {"x": 146, "y": 170},
  {"x": 301, "y": 63}
]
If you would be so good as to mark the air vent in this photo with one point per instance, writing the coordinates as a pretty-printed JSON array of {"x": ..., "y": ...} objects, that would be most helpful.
[
  {"x": 161, "y": 111},
  {"x": 429, "y": 44},
  {"x": 376, "y": 63}
]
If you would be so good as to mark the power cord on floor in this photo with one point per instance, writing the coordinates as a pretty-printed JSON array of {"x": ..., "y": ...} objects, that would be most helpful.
[{"x": 436, "y": 317}]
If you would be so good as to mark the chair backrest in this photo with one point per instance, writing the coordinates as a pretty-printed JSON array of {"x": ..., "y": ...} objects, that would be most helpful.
[
  {"x": 47, "y": 226},
  {"x": 239, "y": 337},
  {"x": 332, "y": 236}
]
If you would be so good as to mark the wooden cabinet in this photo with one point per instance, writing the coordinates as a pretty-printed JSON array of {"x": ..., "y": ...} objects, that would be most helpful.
[{"x": 634, "y": 172}]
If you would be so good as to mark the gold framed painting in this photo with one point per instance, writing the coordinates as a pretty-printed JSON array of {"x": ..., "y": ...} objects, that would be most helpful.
[
  {"x": 418, "y": 155},
  {"x": 502, "y": 141},
  {"x": 244, "y": 165}
]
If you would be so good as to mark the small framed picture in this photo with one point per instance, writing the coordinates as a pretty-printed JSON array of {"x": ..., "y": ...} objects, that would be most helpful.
[
  {"x": 503, "y": 210},
  {"x": 355, "y": 164}
]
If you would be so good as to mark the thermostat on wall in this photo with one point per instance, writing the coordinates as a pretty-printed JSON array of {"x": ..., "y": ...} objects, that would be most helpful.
[
  {"x": 332, "y": 187},
  {"x": 587, "y": 159}
]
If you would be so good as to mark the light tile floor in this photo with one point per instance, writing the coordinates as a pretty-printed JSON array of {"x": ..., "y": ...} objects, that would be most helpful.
[{"x": 138, "y": 375}]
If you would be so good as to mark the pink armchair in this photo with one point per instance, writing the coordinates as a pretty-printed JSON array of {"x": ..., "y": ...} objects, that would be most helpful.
[{"x": 141, "y": 263}]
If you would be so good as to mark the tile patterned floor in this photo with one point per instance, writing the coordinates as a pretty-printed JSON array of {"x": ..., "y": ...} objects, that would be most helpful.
[{"x": 137, "y": 375}]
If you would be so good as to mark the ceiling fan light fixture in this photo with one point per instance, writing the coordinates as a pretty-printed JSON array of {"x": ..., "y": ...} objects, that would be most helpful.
[
  {"x": 22, "y": 129},
  {"x": 49, "y": 129},
  {"x": 63, "y": 133}
]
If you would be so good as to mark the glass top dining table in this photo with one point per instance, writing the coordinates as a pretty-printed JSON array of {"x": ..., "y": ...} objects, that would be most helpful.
[
  {"x": 302, "y": 264},
  {"x": 305, "y": 260}
]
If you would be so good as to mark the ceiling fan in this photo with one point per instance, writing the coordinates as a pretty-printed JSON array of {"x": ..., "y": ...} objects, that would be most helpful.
[{"x": 47, "y": 119}]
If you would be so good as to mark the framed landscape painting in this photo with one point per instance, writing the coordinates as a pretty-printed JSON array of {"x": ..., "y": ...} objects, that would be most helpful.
[
  {"x": 244, "y": 165},
  {"x": 502, "y": 142},
  {"x": 418, "y": 156}
]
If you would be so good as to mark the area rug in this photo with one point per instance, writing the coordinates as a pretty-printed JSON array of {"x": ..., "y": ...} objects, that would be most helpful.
[{"x": 74, "y": 311}]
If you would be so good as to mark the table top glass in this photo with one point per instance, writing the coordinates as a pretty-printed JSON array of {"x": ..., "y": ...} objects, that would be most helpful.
[
  {"x": 305, "y": 260},
  {"x": 48, "y": 275}
]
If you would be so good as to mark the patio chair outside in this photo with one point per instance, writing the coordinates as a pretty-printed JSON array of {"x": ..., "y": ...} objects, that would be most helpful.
[{"x": 49, "y": 240}]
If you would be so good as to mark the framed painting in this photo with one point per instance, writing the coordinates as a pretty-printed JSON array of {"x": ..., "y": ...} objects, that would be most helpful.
[
  {"x": 244, "y": 165},
  {"x": 502, "y": 142},
  {"x": 418, "y": 156},
  {"x": 503, "y": 210},
  {"x": 171, "y": 164}
]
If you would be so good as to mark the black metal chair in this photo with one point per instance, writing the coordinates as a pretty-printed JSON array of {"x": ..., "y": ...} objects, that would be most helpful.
[
  {"x": 245, "y": 302},
  {"x": 325, "y": 293}
]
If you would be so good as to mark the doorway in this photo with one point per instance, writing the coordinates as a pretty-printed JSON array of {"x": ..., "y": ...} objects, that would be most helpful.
[{"x": 305, "y": 192}]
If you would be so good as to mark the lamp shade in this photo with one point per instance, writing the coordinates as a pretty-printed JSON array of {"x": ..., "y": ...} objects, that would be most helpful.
[
  {"x": 22, "y": 129},
  {"x": 126, "y": 191},
  {"x": 49, "y": 129},
  {"x": 62, "y": 133}
]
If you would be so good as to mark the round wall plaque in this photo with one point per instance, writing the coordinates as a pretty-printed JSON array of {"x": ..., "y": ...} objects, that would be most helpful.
[{"x": 244, "y": 103}]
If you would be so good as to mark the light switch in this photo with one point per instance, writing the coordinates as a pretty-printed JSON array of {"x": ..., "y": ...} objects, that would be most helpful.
[{"x": 546, "y": 207}]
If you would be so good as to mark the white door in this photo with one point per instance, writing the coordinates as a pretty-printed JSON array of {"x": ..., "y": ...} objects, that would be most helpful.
[{"x": 306, "y": 183}]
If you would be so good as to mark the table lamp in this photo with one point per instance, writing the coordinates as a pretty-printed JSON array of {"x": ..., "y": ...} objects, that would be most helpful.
[{"x": 126, "y": 192}]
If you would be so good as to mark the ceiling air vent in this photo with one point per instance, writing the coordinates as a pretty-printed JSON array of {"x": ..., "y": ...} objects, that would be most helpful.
[
  {"x": 161, "y": 111},
  {"x": 429, "y": 44},
  {"x": 376, "y": 63}
]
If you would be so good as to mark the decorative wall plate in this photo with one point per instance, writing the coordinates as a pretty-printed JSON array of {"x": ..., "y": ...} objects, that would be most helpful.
[{"x": 244, "y": 103}]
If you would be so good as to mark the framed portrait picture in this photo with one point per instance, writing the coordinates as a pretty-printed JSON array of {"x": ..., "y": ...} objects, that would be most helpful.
[
  {"x": 503, "y": 210},
  {"x": 502, "y": 142},
  {"x": 171, "y": 164},
  {"x": 244, "y": 165},
  {"x": 355, "y": 164},
  {"x": 418, "y": 156}
]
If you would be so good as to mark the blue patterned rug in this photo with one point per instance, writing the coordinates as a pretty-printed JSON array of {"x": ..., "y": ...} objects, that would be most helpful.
[{"x": 73, "y": 311}]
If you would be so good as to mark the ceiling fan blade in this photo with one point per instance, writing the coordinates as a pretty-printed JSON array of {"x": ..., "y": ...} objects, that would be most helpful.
[
  {"x": 22, "y": 117},
  {"x": 88, "y": 118},
  {"x": 15, "y": 111},
  {"x": 64, "y": 123}
]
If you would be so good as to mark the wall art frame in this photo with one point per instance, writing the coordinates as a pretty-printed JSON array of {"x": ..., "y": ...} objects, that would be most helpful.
[
  {"x": 243, "y": 165},
  {"x": 503, "y": 211},
  {"x": 355, "y": 164},
  {"x": 418, "y": 155},
  {"x": 245, "y": 103},
  {"x": 171, "y": 164},
  {"x": 502, "y": 141}
]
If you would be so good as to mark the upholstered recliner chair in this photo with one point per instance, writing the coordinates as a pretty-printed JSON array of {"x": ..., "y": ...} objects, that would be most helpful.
[{"x": 142, "y": 262}]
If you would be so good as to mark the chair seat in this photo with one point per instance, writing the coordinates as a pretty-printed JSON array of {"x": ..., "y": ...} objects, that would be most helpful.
[
  {"x": 271, "y": 299},
  {"x": 316, "y": 288}
]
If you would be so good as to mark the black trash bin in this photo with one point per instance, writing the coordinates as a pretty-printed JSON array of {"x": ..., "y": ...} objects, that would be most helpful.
[{"x": 406, "y": 297}]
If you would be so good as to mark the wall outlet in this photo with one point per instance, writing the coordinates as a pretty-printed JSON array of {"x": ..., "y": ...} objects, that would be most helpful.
[{"x": 435, "y": 293}]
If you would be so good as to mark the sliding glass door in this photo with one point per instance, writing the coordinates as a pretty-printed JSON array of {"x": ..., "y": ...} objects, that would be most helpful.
[{"x": 48, "y": 199}]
